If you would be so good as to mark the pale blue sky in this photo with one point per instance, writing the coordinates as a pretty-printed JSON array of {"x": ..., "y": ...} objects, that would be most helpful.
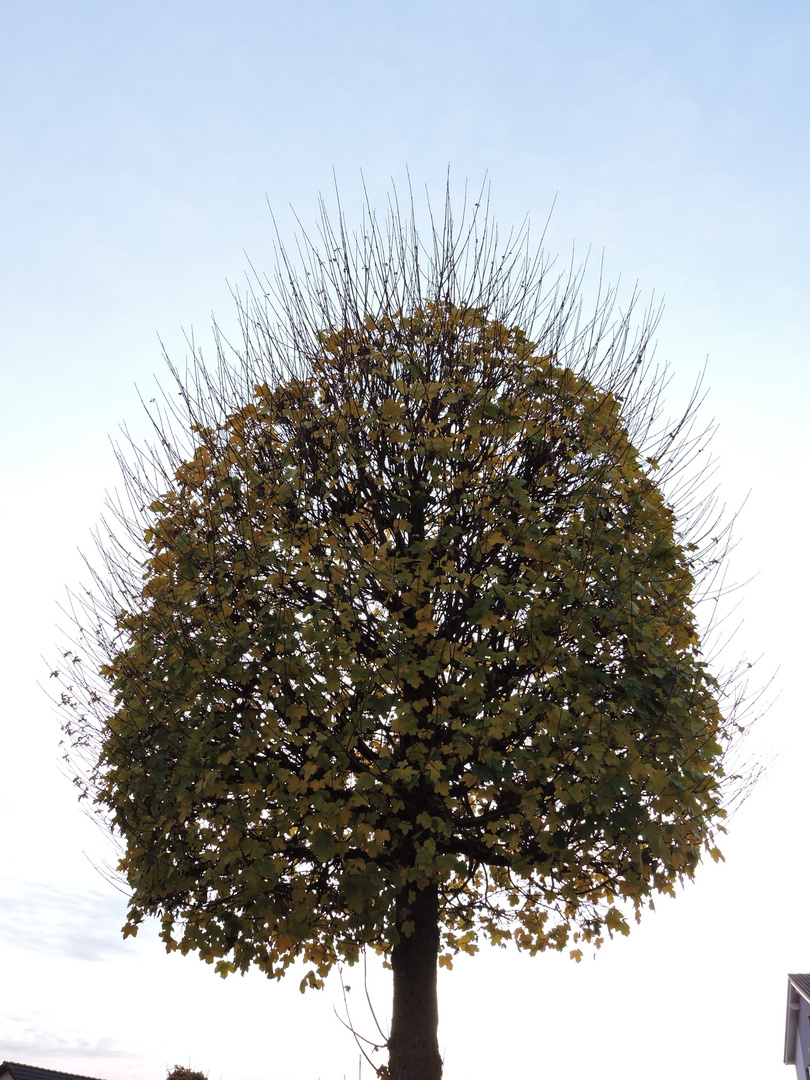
[{"x": 140, "y": 145}]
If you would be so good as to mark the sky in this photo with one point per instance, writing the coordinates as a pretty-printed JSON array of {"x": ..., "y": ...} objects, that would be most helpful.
[{"x": 146, "y": 151}]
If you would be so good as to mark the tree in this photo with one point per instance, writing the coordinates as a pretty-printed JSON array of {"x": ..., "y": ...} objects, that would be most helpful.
[
  {"x": 181, "y": 1072},
  {"x": 398, "y": 647}
]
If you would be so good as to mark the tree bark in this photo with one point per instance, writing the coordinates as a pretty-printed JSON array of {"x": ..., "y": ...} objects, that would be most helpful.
[{"x": 414, "y": 1043}]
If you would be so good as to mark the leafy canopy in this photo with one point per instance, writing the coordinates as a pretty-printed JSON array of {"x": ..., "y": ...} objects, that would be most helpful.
[{"x": 414, "y": 610}]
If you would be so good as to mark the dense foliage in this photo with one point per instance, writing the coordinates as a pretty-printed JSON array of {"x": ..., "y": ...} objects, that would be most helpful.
[
  {"x": 181, "y": 1072},
  {"x": 412, "y": 614}
]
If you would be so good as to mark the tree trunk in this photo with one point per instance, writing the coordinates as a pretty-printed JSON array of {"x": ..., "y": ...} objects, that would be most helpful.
[{"x": 414, "y": 1044}]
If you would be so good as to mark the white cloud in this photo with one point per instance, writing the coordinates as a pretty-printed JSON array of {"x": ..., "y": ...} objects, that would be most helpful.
[{"x": 46, "y": 919}]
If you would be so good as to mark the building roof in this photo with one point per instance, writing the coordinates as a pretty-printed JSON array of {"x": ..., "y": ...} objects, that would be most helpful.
[
  {"x": 33, "y": 1072},
  {"x": 798, "y": 999}
]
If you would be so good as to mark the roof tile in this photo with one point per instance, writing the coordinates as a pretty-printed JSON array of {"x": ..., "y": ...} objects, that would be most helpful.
[{"x": 33, "y": 1072}]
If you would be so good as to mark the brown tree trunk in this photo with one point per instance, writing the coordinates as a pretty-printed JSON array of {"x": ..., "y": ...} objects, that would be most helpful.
[{"x": 414, "y": 1044}]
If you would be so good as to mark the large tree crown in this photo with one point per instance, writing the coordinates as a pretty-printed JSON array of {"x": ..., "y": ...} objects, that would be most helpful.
[{"x": 416, "y": 609}]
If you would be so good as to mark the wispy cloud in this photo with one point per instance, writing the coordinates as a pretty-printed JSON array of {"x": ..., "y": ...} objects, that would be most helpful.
[
  {"x": 37, "y": 1041},
  {"x": 44, "y": 918},
  {"x": 25, "y": 1040}
]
